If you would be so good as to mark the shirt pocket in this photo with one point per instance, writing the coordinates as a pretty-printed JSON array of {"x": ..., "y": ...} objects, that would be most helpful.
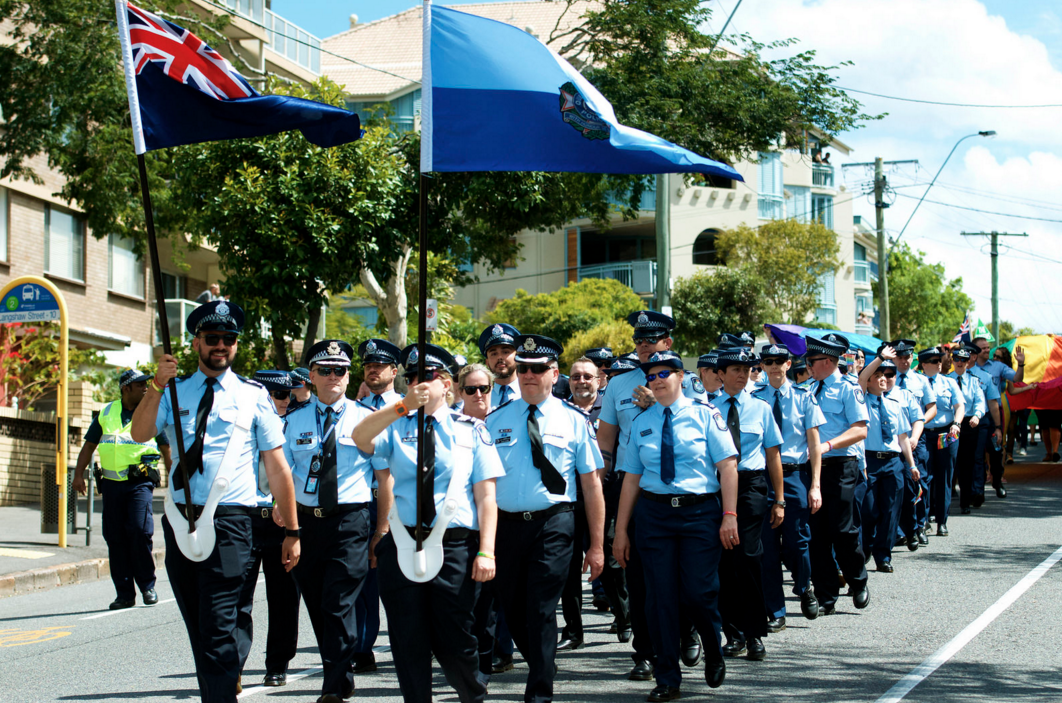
[
  {"x": 557, "y": 449},
  {"x": 832, "y": 406},
  {"x": 228, "y": 414},
  {"x": 752, "y": 427}
]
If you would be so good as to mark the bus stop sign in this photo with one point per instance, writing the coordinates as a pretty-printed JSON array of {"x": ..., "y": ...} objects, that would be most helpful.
[{"x": 29, "y": 302}]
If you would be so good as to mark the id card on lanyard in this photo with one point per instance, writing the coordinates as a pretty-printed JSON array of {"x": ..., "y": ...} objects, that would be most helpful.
[{"x": 313, "y": 478}]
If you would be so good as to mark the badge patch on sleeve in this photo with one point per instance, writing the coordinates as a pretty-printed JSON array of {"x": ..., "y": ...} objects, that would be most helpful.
[
  {"x": 720, "y": 422},
  {"x": 859, "y": 396},
  {"x": 484, "y": 435}
]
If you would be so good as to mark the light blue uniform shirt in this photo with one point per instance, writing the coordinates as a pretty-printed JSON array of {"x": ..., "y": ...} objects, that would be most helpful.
[
  {"x": 396, "y": 449},
  {"x": 304, "y": 441},
  {"x": 972, "y": 393},
  {"x": 988, "y": 386},
  {"x": 917, "y": 385},
  {"x": 618, "y": 408},
  {"x": 911, "y": 406},
  {"x": 500, "y": 395},
  {"x": 267, "y": 432},
  {"x": 842, "y": 404},
  {"x": 897, "y": 415},
  {"x": 800, "y": 413},
  {"x": 702, "y": 440},
  {"x": 568, "y": 439},
  {"x": 999, "y": 372},
  {"x": 375, "y": 402},
  {"x": 759, "y": 431},
  {"x": 948, "y": 399}
]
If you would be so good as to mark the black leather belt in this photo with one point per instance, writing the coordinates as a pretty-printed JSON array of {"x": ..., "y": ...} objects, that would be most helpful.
[
  {"x": 530, "y": 515},
  {"x": 265, "y": 512},
  {"x": 836, "y": 460},
  {"x": 884, "y": 456},
  {"x": 790, "y": 468},
  {"x": 452, "y": 534},
  {"x": 220, "y": 511},
  {"x": 375, "y": 493},
  {"x": 338, "y": 510},
  {"x": 748, "y": 475},
  {"x": 679, "y": 501}
]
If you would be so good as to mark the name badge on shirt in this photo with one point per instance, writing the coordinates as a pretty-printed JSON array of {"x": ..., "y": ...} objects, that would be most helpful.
[
  {"x": 626, "y": 400},
  {"x": 183, "y": 412},
  {"x": 304, "y": 440},
  {"x": 503, "y": 440},
  {"x": 646, "y": 433}
]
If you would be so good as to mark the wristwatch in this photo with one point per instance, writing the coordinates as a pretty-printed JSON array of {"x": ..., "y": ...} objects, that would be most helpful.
[
  {"x": 401, "y": 408},
  {"x": 780, "y": 503},
  {"x": 293, "y": 533}
]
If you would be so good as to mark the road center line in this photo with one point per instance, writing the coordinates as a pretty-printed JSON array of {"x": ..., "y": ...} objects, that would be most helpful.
[
  {"x": 125, "y": 610},
  {"x": 942, "y": 655},
  {"x": 291, "y": 677}
]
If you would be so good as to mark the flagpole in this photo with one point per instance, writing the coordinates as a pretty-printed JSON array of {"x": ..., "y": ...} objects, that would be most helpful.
[{"x": 422, "y": 268}]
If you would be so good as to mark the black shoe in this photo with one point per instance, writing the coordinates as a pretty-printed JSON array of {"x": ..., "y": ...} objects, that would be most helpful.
[
  {"x": 827, "y": 609},
  {"x": 978, "y": 500},
  {"x": 499, "y": 664},
  {"x": 330, "y": 698},
  {"x": 775, "y": 625},
  {"x": 120, "y": 604},
  {"x": 150, "y": 597},
  {"x": 885, "y": 567},
  {"x": 275, "y": 679},
  {"x": 623, "y": 634},
  {"x": 942, "y": 530},
  {"x": 912, "y": 544},
  {"x": 239, "y": 684},
  {"x": 756, "y": 651},
  {"x": 664, "y": 693},
  {"x": 923, "y": 541},
  {"x": 861, "y": 598},
  {"x": 568, "y": 644},
  {"x": 691, "y": 651},
  {"x": 1001, "y": 492},
  {"x": 809, "y": 606},
  {"x": 900, "y": 541},
  {"x": 642, "y": 671},
  {"x": 966, "y": 511},
  {"x": 613, "y": 628},
  {"x": 364, "y": 663},
  {"x": 714, "y": 673},
  {"x": 840, "y": 579},
  {"x": 734, "y": 648},
  {"x": 601, "y": 603}
]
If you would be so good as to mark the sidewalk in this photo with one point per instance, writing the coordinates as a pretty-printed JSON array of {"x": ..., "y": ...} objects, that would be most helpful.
[{"x": 31, "y": 561}]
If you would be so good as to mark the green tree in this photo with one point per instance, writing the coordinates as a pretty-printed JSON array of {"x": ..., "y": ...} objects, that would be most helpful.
[
  {"x": 578, "y": 307},
  {"x": 1007, "y": 332},
  {"x": 709, "y": 303},
  {"x": 29, "y": 362},
  {"x": 790, "y": 257},
  {"x": 617, "y": 335},
  {"x": 923, "y": 304}
]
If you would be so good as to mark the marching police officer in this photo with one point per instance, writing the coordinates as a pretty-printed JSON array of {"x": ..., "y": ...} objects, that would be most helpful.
[
  {"x": 974, "y": 401},
  {"x": 912, "y": 516},
  {"x": 302, "y": 393},
  {"x": 497, "y": 344},
  {"x": 680, "y": 476},
  {"x": 1000, "y": 374},
  {"x": 333, "y": 486},
  {"x": 129, "y": 475},
  {"x": 602, "y": 358},
  {"x": 799, "y": 374},
  {"x": 907, "y": 525},
  {"x": 212, "y": 403},
  {"x": 941, "y": 432},
  {"x": 433, "y": 617},
  {"x": 989, "y": 431},
  {"x": 834, "y": 531},
  {"x": 545, "y": 445},
  {"x": 713, "y": 385},
  {"x": 798, "y": 418}
]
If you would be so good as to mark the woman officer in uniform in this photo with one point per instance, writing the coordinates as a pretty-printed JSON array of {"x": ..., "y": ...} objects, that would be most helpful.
[
  {"x": 684, "y": 516},
  {"x": 433, "y": 617}
]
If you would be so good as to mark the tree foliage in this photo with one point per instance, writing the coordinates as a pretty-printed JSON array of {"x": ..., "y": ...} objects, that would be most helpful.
[
  {"x": 923, "y": 304},
  {"x": 709, "y": 303},
  {"x": 29, "y": 362},
  {"x": 616, "y": 335},
  {"x": 790, "y": 256}
]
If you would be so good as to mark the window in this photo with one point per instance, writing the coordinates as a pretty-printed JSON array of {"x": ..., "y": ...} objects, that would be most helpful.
[
  {"x": 173, "y": 286},
  {"x": 799, "y": 205},
  {"x": 125, "y": 272},
  {"x": 64, "y": 244},
  {"x": 704, "y": 253},
  {"x": 827, "y": 310},
  {"x": 859, "y": 252},
  {"x": 822, "y": 210},
  {"x": 770, "y": 200},
  {"x": 3, "y": 224}
]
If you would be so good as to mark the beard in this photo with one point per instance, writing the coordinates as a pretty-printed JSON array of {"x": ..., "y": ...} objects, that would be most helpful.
[
  {"x": 503, "y": 370},
  {"x": 214, "y": 364}
]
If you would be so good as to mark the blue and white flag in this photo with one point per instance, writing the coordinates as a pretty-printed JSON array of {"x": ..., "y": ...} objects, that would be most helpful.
[{"x": 495, "y": 98}]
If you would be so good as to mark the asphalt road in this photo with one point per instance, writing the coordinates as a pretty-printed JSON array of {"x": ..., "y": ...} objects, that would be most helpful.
[{"x": 63, "y": 645}]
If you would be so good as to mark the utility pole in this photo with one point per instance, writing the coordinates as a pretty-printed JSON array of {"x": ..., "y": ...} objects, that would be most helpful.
[
  {"x": 995, "y": 271},
  {"x": 663, "y": 242}
]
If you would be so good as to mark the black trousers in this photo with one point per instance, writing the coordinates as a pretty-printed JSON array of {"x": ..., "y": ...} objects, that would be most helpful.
[
  {"x": 208, "y": 595},
  {"x": 834, "y": 531},
  {"x": 533, "y": 563},
  {"x": 128, "y": 528},
  {"x": 330, "y": 574},
  {"x": 965, "y": 463},
  {"x": 432, "y": 618},
  {"x": 572, "y": 596},
  {"x": 282, "y": 595},
  {"x": 367, "y": 606},
  {"x": 941, "y": 467},
  {"x": 614, "y": 578},
  {"x": 741, "y": 601}
]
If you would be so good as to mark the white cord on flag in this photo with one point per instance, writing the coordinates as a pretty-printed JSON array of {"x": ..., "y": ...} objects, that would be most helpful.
[
  {"x": 121, "y": 6},
  {"x": 426, "y": 126}
]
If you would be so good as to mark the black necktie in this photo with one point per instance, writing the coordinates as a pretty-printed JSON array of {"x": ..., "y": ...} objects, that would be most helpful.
[
  {"x": 778, "y": 409},
  {"x": 329, "y": 497},
  {"x": 551, "y": 478},
  {"x": 903, "y": 380},
  {"x": 960, "y": 383},
  {"x": 377, "y": 402},
  {"x": 427, "y": 491},
  {"x": 193, "y": 456},
  {"x": 667, "y": 450},
  {"x": 733, "y": 421},
  {"x": 883, "y": 418},
  {"x": 818, "y": 391}
]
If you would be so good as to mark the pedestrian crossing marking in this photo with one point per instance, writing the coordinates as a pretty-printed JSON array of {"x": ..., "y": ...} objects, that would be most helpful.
[{"x": 23, "y": 553}]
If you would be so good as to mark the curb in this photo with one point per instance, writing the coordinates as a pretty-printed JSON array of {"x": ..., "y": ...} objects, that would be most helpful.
[{"x": 50, "y": 577}]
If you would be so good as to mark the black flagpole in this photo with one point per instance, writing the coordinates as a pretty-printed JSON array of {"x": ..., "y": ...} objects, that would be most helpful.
[
  {"x": 164, "y": 331},
  {"x": 422, "y": 333}
]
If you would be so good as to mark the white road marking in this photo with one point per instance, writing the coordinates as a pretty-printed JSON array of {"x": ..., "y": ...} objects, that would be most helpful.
[
  {"x": 291, "y": 677},
  {"x": 942, "y": 655},
  {"x": 126, "y": 610}
]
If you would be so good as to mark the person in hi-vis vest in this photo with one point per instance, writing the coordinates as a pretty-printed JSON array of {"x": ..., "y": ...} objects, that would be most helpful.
[{"x": 130, "y": 473}]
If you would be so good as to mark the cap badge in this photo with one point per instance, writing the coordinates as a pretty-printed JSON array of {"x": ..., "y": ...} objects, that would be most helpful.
[
  {"x": 413, "y": 356},
  {"x": 743, "y": 356},
  {"x": 643, "y": 318},
  {"x": 496, "y": 330},
  {"x": 832, "y": 339},
  {"x": 371, "y": 347},
  {"x": 333, "y": 348},
  {"x": 222, "y": 308},
  {"x": 774, "y": 349},
  {"x": 529, "y": 344}
]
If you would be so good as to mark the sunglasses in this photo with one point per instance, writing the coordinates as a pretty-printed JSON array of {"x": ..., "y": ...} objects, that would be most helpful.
[
  {"x": 649, "y": 340},
  {"x": 430, "y": 374},
  {"x": 212, "y": 340},
  {"x": 659, "y": 374},
  {"x": 756, "y": 369},
  {"x": 537, "y": 369},
  {"x": 582, "y": 377},
  {"x": 602, "y": 364},
  {"x": 326, "y": 371},
  {"x": 818, "y": 359},
  {"x": 472, "y": 390},
  {"x": 772, "y": 362},
  {"x": 930, "y": 361},
  {"x": 281, "y": 395},
  {"x": 957, "y": 360},
  {"x": 889, "y": 375}
]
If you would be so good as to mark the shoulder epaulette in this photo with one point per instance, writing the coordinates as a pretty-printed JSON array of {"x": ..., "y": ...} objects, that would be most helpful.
[
  {"x": 802, "y": 389},
  {"x": 508, "y": 402},
  {"x": 251, "y": 382},
  {"x": 698, "y": 401},
  {"x": 762, "y": 400},
  {"x": 185, "y": 377},
  {"x": 365, "y": 405},
  {"x": 461, "y": 417},
  {"x": 575, "y": 407},
  {"x": 297, "y": 407}
]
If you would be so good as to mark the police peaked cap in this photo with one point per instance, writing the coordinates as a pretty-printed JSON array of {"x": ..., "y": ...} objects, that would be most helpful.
[
  {"x": 961, "y": 353},
  {"x": 536, "y": 349},
  {"x": 707, "y": 361},
  {"x": 887, "y": 364},
  {"x": 664, "y": 358},
  {"x": 378, "y": 351},
  {"x": 735, "y": 356},
  {"x": 601, "y": 354},
  {"x": 496, "y": 335},
  {"x": 799, "y": 364},
  {"x": 831, "y": 344},
  {"x": 435, "y": 357},
  {"x": 931, "y": 353},
  {"x": 215, "y": 316},
  {"x": 130, "y": 376},
  {"x": 277, "y": 380},
  {"x": 775, "y": 351},
  {"x": 648, "y": 324},
  {"x": 331, "y": 352},
  {"x": 903, "y": 347},
  {"x": 300, "y": 375},
  {"x": 621, "y": 366}
]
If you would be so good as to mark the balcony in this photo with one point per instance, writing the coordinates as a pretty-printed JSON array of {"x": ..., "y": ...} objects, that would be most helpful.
[
  {"x": 289, "y": 40},
  {"x": 647, "y": 203},
  {"x": 177, "y": 311},
  {"x": 866, "y": 272},
  {"x": 868, "y": 330},
  {"x": 639, "y": 276},
  {"x": 251, "y": 9},
  {"x": 770, "y": 206},
  {"x": 822, "y": 175},
  {"x": 826, "y": 312}
]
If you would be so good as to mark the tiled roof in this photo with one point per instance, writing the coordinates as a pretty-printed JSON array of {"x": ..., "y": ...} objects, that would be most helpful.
[{"x": 393, "y": 43}]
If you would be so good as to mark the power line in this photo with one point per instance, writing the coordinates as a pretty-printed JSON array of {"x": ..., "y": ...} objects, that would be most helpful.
[
  {"x": 936, "y": 102},
  {"x": 985, "y": 212}
]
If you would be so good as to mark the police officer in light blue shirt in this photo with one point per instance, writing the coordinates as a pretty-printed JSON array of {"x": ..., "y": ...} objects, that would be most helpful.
[
  {"x": 798, "y": 418},
  {"x": 546, "y": 445},
  {"x": 833, "y": 528},
  {"x": 713, "y": 385},
  {"x": 999, "y": 374},
  {"x": 680, "y": 478},
  {"x": 989, "y": 431},
  {"x": 973, "y": 391},
  {"x": 912, "y": 483},
  {"x": 497, "y": 344},
  {"x": 209, "y": 402},
  {"x": 941, "y": 432}
]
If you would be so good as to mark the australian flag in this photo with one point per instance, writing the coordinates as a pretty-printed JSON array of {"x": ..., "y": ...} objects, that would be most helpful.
[{"x": 181, "y": 91}]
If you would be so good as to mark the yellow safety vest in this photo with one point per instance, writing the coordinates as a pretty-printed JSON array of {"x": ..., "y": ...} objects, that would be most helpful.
[{"x": 117, "y": 449}]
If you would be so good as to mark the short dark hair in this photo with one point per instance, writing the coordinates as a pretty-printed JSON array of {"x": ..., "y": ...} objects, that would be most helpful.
[{"x": 979, "y": 339}]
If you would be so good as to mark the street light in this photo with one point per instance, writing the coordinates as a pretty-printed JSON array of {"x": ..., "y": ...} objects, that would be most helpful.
[{"x": 983, "y": 133}]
